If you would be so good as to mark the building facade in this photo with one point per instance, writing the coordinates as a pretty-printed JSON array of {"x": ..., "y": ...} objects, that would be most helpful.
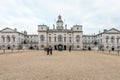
[{"x": 59, "y": 37}]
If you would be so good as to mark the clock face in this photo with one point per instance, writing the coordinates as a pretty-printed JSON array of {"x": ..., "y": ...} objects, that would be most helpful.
[{"x": 60, "y": 24}]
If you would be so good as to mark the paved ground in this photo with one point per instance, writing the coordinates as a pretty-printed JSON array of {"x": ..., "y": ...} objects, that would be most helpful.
[{"x": 76, "y": 65}]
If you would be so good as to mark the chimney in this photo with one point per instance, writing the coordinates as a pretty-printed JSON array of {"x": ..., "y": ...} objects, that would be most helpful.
[
  {"x": 66, "y": 26},
  {"x": 53, "y": 26},
  {"x": 105, "y": 30},
  {"x": 99, "y": 32},
  {"x": 15, "y": 29}
]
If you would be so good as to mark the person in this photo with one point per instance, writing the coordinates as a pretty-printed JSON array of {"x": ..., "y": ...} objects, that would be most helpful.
[
  {"x": 70, "y": 49},
  {"x": 118, "y": 52},
  {"x": 109, "y": 51},
  {"x": 50, "y": 48}
]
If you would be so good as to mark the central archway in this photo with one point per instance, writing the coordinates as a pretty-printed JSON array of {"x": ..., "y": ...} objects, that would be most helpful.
[{"x": 60, "y": 47}]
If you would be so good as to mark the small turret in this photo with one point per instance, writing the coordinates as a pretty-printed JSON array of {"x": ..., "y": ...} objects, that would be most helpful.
[{"x": 59, "y": 22}]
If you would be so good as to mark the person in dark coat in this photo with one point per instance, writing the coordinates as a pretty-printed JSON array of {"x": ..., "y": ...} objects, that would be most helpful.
[
  {"x": 50, "y": 48},
  {"x": 118, "y": 52},
  {"x": 70, "y": 49}
]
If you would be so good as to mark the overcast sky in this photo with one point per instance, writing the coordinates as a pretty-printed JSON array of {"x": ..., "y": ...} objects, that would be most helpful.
[{"x": 94, "y": 15}]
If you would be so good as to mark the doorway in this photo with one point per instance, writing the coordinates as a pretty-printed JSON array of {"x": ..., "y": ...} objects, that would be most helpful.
[
  {"x": 60, "y": 47},
  {"x": 89, "y": 48},
  {"x": 113, "y": 48}
]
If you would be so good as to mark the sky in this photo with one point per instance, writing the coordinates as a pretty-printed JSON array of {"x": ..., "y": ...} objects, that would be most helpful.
[{"x": 93, "y": 15}]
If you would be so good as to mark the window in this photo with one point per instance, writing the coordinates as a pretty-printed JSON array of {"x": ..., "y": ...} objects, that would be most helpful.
[
  {"x": 118, "y": 47},
  {"x": 112, "y": 39},
  {"x": 13, "y": 37},
  {"x": 55, "y": 38},
  {"x": 49, "y": 39},
  {"x": 77, "y": 38},
  {"x": 3, "y": 39},
  {"x": 107, "y": 37},
  {"x": 13, "y": 46},
  {"x": 3, "y": 45},
  {"x": 42, "y": 46},
  {"x": 78, "y": 46},
  {"x": 118, "y": 38},
  {"x": 59, "y": 38},
  {"x": 8, "y": 38},
  {"x": 64, "y": 39},
  {"x": 107, "y": 47},
  {"x": 69, "y": 39},
  {"x": 42, "y": 38}
]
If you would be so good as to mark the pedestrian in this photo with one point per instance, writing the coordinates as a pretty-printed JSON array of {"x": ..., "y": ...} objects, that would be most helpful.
[
  {"x": 50, "y": 48},
  {"x": 118, "y": 52},
  {"x": 109, "y": 51},
  {"x": 70, "y": 49}
]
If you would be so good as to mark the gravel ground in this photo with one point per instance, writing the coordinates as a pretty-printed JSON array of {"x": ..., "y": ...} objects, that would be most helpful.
[{"x": 63, "y": 65}]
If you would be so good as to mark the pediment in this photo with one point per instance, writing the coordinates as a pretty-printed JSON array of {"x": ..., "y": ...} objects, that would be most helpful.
[
  {"x": 113, "y": 31},
  {"x": 8, "y": 30}
]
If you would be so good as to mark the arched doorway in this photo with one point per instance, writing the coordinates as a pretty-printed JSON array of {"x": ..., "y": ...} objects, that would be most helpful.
[
  {"x": 113, "y": 48},
  {"x": 8, "y": 46},
  {"x": 64, "y": 47},
  {"x": 60, "y": 47},
  {"x": 89, "y": 48},
  {"x": 31, "y": 47}
]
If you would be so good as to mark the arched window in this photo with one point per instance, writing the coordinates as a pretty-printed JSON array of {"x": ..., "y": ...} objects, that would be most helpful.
[
  {"x": 8, "y": 38},
  {"x": 42, "y": 38},
  {"x": 77, "y": 38},
  {"x": 13, "y": 37},
  {"x": 3, "y": 46},
  {"x": 107, "y": 47},
  {"x": 78, "y": 46},
  {"x": 118, "y": 47},
  {"x": 49, "y": 39},
  {"x": 55, "y": 38},
  {"x": 3, "y": 39},
  {"x": 59, "y": 38},
  {"x": 112, "y": 39},
  {"x": 70, "y": 39},
  {"x": 42, "y": 46},
  {"x": 107, "y": 37},
  {"x": 64, "y": 39},
  {"x": 13, "y": 46},
  {"x": 118, "y": 39}
]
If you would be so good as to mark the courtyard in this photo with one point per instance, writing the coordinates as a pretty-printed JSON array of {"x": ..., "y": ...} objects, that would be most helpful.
[{"x": 62, "y": 65}]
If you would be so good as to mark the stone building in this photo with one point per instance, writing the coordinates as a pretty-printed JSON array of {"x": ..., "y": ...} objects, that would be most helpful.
[
  {"x": 89, "y": 42},
  {"x": 109, "y": 39},
  {"x": 11, "y": 39},
  {"x": 59, "y": 37}
]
